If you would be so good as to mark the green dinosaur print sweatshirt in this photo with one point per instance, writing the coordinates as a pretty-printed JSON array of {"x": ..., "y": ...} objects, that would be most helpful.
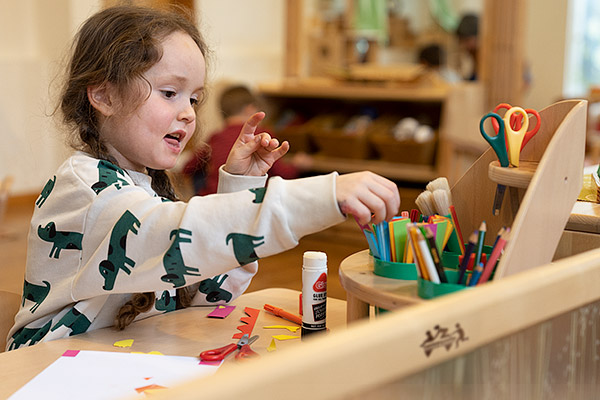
[{"x": 100, "y": 233}]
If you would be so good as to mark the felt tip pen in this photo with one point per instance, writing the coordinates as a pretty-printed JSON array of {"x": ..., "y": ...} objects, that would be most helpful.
[{"x": 283, "y": 314}]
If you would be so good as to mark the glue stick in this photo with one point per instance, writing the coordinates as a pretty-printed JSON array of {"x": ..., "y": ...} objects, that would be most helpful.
[{"x": 314, "y": 292}]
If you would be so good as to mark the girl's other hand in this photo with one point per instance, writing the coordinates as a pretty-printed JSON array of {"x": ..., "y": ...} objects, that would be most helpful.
[
  {"x": 254, "y": 154},
  {"x": 367, "y": 196}
]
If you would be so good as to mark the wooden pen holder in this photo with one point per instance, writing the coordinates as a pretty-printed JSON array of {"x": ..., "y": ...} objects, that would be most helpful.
[{"x": 544, "y": 187}]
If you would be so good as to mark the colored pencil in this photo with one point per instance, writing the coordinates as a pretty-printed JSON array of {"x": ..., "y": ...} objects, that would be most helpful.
[
  {"x": 457, "y": 227},
  {"x": 491, "y": 263},
  {"x": 480, "y": 240},
  {"x": 435, "y": 255},
  {"x": 500, "y": 232},
  {"x": 476, "y": 274},
  {"x": 467, "y": 255},
  {"x": 427, "y": 259},
  {"x": 419, "y": 261}
]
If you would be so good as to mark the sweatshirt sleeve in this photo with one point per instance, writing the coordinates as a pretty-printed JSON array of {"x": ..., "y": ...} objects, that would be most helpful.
[
  {"x": 135, "y": 242},
  {"x": 233, "y": 183}
]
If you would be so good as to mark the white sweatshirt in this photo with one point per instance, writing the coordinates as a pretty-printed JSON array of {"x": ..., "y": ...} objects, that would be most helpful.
[{"x": 99, "y": 234}]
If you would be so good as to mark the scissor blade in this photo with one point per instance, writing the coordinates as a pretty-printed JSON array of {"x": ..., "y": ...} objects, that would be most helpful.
[{"x": 243, "y": 340}]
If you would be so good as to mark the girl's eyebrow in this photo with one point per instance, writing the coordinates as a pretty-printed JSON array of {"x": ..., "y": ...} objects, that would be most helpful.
[{"x": 183, "y": 79}]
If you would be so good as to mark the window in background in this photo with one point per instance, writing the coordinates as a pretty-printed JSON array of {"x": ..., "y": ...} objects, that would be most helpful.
[{"x": 582, "y": 64}]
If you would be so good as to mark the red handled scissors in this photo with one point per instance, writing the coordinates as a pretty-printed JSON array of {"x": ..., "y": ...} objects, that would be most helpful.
[
  {"x": 243, "y": 345},
  {"x": 516, "y": 121}
]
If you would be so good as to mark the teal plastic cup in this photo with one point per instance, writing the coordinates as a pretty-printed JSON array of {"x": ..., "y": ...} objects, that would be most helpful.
[
  {"x": 395, "y": 270},
  {"x": 450, "y": 259},
  {"x": 429, "y": 290}
]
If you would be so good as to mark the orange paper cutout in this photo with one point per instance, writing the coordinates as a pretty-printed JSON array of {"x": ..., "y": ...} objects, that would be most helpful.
[
  {"x": 148, "y": 388},
  {"x": 249, "y": 321}
]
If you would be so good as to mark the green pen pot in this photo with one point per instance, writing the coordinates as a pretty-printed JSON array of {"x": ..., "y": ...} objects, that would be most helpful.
[
  {"x": 450, "y": 259},
  {"x": 429, "y": 290},
  {"x": 395, "y": 270}
]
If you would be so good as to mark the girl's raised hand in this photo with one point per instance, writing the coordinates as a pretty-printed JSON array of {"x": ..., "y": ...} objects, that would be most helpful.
[
  {"x": 367, "y": 196},
  {"x": 254, "y": 154}
]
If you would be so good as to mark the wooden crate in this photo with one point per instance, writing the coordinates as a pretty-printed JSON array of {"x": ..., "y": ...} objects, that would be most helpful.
[
  {"x": 335, "y": 143},
  {"x": 405, "y": 152}
]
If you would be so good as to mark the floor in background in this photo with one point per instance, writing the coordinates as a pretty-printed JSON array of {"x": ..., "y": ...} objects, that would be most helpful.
[{"x": 283, "y": 270}]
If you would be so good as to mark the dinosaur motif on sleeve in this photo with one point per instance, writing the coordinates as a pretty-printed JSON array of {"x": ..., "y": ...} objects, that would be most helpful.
[
  {"x": 259, "y": 194},
  {"x": 166, "y": 302},
  {"x": 60, "y": 240},
  {"x": 45, "y": 192},
  {"x": 108, "y": 174},
  {"x": 243, "y": 246},
  {"x": 212, "y": 288},
  {"x": 31, "y": 335},
  {"x": 116, "y": 258},
  {"x": 173, "y": 260},
  {"x": 75, "y": 320},
  {"x": 35, "y": 293}
]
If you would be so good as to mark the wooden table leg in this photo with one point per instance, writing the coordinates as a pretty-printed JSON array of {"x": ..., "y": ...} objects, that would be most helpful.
[{"x": 355, "y": 308}]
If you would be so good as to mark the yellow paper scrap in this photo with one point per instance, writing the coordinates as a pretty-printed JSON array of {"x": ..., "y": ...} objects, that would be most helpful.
[
  {"x": 285, "y": 337},
  {"x": 289, "y": 328},
  {"x": 157, "y": 353},
  {"x": 124, "y": 343},
  {"x": 272, "y": 346}
]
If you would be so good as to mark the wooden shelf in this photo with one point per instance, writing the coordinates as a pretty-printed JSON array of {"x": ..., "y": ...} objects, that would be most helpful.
[
  {"x": 511, "y": 176},
  {"x": 333, "y": 89},
  {"x": 395, "y": 171}
]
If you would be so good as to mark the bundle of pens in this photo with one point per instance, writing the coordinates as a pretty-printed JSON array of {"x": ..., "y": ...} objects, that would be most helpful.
[
  {"x": 388, "y": 241},
  {"x": 473, "y": 260},
  {"x": 434, "y": 282},
  {"x": 436, "y": 217}
]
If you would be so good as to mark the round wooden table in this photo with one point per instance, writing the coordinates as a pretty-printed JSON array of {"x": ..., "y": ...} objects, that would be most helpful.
[{"x": 365, "y": 289}]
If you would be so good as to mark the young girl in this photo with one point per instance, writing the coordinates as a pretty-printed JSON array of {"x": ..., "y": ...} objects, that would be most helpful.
[{"x": 107, "y": 223}]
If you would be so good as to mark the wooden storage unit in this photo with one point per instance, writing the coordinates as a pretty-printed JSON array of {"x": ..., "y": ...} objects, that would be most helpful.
[
  {"x": 546, "y": 185},
  {"x": 330, "y": 150}
]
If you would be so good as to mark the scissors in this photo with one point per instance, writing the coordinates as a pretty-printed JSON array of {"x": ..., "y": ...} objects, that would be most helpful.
[
  {"x": 514, "y": 138},
  {"x": 243, "y": 345},
  {"x": 516, "y": 121},
  {"x": 498, "y": 144}
]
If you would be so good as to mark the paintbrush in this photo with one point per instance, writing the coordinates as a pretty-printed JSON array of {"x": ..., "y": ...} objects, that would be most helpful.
[
  {"x": 440, "y": 183},
  {"x": 441, "y": 201},
  {"x": 425, "y": 203}
]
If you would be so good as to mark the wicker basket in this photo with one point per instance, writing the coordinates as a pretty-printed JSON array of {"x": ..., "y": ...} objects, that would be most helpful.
[
  {"x": 405, "y": 152},
  {"x": 298, "y": 137},
  {"x": 335, "y": 143}
]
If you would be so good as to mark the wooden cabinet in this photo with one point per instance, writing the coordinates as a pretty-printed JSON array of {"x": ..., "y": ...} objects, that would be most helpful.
[{"x": 319, "y": 97}]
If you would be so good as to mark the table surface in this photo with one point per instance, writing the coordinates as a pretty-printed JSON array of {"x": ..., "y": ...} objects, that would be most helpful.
[
  {"x": 359, "y": 281},
  {"x": 585, "y": 216},
  {"x": 184, "y": 332}
]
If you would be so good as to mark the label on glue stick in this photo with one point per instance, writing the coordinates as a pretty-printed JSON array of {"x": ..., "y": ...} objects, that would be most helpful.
[{"x": 314, "y": 292}]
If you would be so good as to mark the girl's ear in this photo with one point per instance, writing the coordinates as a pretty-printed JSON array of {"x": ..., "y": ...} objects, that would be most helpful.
[{"x": 102, "y": 99}]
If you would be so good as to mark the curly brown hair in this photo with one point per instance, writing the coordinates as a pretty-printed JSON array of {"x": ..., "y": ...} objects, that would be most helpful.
[{"x": 117, "y": 46}]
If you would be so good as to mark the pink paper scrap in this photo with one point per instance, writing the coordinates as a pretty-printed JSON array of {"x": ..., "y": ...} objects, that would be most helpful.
[{"x": 221, "y": 311}]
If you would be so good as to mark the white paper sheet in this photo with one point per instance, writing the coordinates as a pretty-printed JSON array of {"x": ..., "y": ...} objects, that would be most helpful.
[{"x": 108, "y": 375}]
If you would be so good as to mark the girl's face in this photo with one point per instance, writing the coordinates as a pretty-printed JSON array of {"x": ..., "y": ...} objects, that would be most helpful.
[{"x": 154, "y": 134}]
